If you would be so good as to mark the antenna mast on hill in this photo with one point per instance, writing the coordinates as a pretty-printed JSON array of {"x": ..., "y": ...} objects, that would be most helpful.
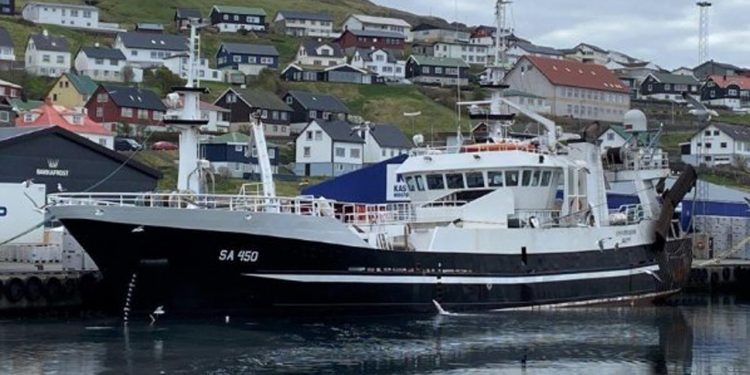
[{"x": 704, "y": 7}]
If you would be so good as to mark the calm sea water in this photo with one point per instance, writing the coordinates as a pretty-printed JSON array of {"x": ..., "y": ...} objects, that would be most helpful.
[{"x": 701, "y": 335}]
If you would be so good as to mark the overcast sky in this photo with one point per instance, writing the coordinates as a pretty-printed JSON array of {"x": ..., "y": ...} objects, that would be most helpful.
[{"x": 663, "y": 31}]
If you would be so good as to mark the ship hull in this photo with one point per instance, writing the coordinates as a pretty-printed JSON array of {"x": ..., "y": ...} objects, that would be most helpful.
[{"x": 195, "y": 271}]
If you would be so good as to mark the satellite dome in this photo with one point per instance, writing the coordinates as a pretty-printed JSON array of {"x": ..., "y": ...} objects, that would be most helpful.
[{"x": 634, "y": 121}]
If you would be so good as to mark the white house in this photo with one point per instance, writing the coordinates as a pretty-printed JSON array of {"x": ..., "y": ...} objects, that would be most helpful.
[
  {"x": 150, "y": 49},
  {"x": 47, "y": 55},
  {"x": 380, "y": 61},
  {"x": 718, "y": 144},
  {"x": 469, "y": 53},
  {"x": 316, "y": 52},
  {"x": 179, "y": 64},
  {"x": 363, "y": 22},
  {"x": 305, "y": 24},
  {"x": 328, "y": 148},
  {"x": 684, "y": 71},
  {"x": 102, "y": 64},
  {"x": 67, "y": 15},
  {"x": 383, "y": 142},
  {"x": 7, "y": 49}
]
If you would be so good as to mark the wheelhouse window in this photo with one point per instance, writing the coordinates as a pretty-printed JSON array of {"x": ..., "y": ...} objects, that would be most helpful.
[
  {"x": 435, "y": 182},
  {"x": 410, "y": 183},
  {"x": 526, "y": 178},
  {"x": 495, "y": 179},
  {"x": 535, "y": 178},
  {"x": 511, "y": 178},
  {"x": 455, "y": 180},
  {"x": 420, "y": 183},
  {"x": 475, "y": 180},
  {"x": 546, "y": 177}
]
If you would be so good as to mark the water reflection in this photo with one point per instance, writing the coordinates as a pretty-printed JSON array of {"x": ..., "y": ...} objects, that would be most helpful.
[{"x": 701, "y": 336}]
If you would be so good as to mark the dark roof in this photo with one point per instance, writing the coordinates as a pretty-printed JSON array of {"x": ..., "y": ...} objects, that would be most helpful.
[
  {"x": 366, "y": 54},
  {"x": 377, "y": 34},
  {"x": 390, "y": 136},
  {"x": 301, "y": 15},
  {"x": 311, "y": 46},
  {"x": 5, "y": 39},
  {"x": 103, "y": 53},
  {"x": 736, "y": 132},
  {"x": 250, "y": 49},
  {"x": 319, "y": 102},
  {"x": 340, "y": 131},
  {"x": 154, "y": 41},
  {"x": 132, "y": 97},
  {"x": 595, "y": 48},
  {"x": 50, "y": 43},
  {"x": 185, "y": 13},
  {"x": 10, "y": 136},
  {"x": 239, "y": 10},
  {"x": 533, "y": 48},
  {"x": 676, "y": 79},
  {"x": 149, "y": 26},
  {"x": 720, "y": 65},
  {"x": 262, "y": 99}
]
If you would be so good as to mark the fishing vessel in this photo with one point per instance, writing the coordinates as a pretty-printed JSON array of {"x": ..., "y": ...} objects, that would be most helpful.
[{"x": 504, "y": 223}]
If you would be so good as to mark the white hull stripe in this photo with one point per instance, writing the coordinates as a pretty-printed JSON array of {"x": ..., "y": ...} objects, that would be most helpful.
[{"x": 460, "y": 280}]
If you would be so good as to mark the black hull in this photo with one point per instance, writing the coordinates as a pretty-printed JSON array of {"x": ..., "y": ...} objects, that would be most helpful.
[{"x": 183, "y": 271}]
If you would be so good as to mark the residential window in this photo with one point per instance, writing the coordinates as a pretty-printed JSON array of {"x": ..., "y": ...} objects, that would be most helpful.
[
  {"x": 4, "y": 116},
  {"x": 716, "y": 132},
  {"x": 438, "y": 70},
  {"x": 707, "y": 133},
  {"x": 101, "y": 98},
  {"x": 708, "y": 145},
  {"x": 318, "y": 135},
  {"x": 283, "y": 116},
  {"x": 309, "y": 134},
  {"x": 113, "y": 62},
  {"x": 157, "y": 116},
  {"x": 126, "y": 112},
  {"x": 60, "y": 59},
  {"x": 313, "y": 113},
  {"x": 143, "y": 114},
  {"x": 237, "y": 58},
  {"x": 231, "y": 98},
  {"x": 99, "y": 61},
  {"x": 236, "y": 17},
  {"x": 264, "y": 114},
  {"x": 226, "y": 17},
  {"x": 610, "y": 136},
  {"x": 354, "y": 153},
  {"x": 266, "y": 60},
  {"x": 239, "y": 148},
  {"x": 732, "y": 92},
  {"x": 340, "y": 152},
  {"x": 45, "y": 58},
  {"x": 723, "y": 145},
  {"x": 306, "y": 152},
  {"x": 99, "y": 112}
]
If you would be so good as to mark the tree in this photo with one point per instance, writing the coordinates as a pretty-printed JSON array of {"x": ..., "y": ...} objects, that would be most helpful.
[{"x": 162, "y": 80}]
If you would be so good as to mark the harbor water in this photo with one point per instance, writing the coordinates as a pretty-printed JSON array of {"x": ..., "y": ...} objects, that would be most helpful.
[{"x": 698, "y": 335}]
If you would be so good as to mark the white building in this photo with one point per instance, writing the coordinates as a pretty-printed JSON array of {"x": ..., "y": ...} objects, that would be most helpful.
[
  {"x": 67, "y": 15},
  {"x": 328, "y": 148},
  {"x": 718, "y": 144},
  {"x": 150, "y": 49},
  {"x": 102, "y": 64},
  {"x": 362, "y": 22},
  {"x": 521, "y": 48},
  {"x": 316, "y": 52},
  {"x": 469, "y": 53},
  {"x": 7, "y": 50},
  {"x": 305, "y": 24},
  {"x": 380, "y": 61},
  {"x": 179, "y": 64},
  {"x": 383, "y": 142},
  {"x": 47, "y": 55}
]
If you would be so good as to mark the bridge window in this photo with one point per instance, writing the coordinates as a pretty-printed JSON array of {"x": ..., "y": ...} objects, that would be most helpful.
[
  {"x": 546, "y": 177},
  {"x": 455, "y": 180},
  {"x": 475, "y": 180},
  {"x": 495, "y": 179},
  {"x": 420, "y": 183},
  {"x": 435, "y": 182},
  {"x": 410, "y": 183},
  {"x": 511, "y": 178},
  {"x": 526, "y": 178},
  {"x": 535, "y": 178}
]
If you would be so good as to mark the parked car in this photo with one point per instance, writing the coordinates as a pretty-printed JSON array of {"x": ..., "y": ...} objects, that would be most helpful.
[
  {"x": 164, "y": 146},
  {"x": 127, "y": 144}
]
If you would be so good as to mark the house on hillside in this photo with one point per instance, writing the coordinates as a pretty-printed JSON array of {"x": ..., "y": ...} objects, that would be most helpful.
[
  {"x": 425, "y": 32},
  {"x": 344, "y": 73},
  {"x": 353, "y": 39},
  {"x": 184, "y": 16},
  {"x": 47, "y": 55},
  {"x": 684, "y": 71},
  {"x": 179, "y": 65},
  {"x": 148, "y": 50},
  {"x": 112, "y": 105},
  {"x": 371, "y": 23},
  {"x": 7, "y": 49},
  {"x": 668, "y": 86},
  {"x": 523, "y": 48},
  {"x": 67, "y": 15},
  {"x": 234, "y": 154},
  {"x": 304, "y": 24},
  {"x": 383, "y": 142},
  {"x": 148, "y": 27},
  {"x": 7, "y": 7},
  {"x": 469, "y": 53},
  {"x": 72, "y": 90},
  {"x": 245, "y": 103},
  {"x": 328, "y": 148},
  {"x": 250, "y": 59},
  {"x": 440, "y": 71},
  {"x": 729, "y": 91},
  {"x": 232, "y": 19},
  {"x": 307, "y": 106},
  {"x": 10, "y": 90},
  {"x": 587, "y": 53},
  {"x": 614, "y": 136},
  {"x": 74, "y": 120},
  {"x": 715, "y": 68},
  {"x": 718, "y": 144},
  {"x": 380, "y": 61},
  {"x": 104, "y": 64},
  {"x": 318, "y": 52},
  {"x": 574, "y": 89}
]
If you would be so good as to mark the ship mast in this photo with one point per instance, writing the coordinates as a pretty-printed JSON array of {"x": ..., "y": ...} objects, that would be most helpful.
[{"x": 495, "y": 72}]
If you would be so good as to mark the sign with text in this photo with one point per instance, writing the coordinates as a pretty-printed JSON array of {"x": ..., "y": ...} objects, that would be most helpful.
[{"x": 396, "y": 190}]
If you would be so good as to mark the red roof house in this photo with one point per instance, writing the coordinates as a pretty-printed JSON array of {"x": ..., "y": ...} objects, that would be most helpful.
[{"x": 76, "y": 121}]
